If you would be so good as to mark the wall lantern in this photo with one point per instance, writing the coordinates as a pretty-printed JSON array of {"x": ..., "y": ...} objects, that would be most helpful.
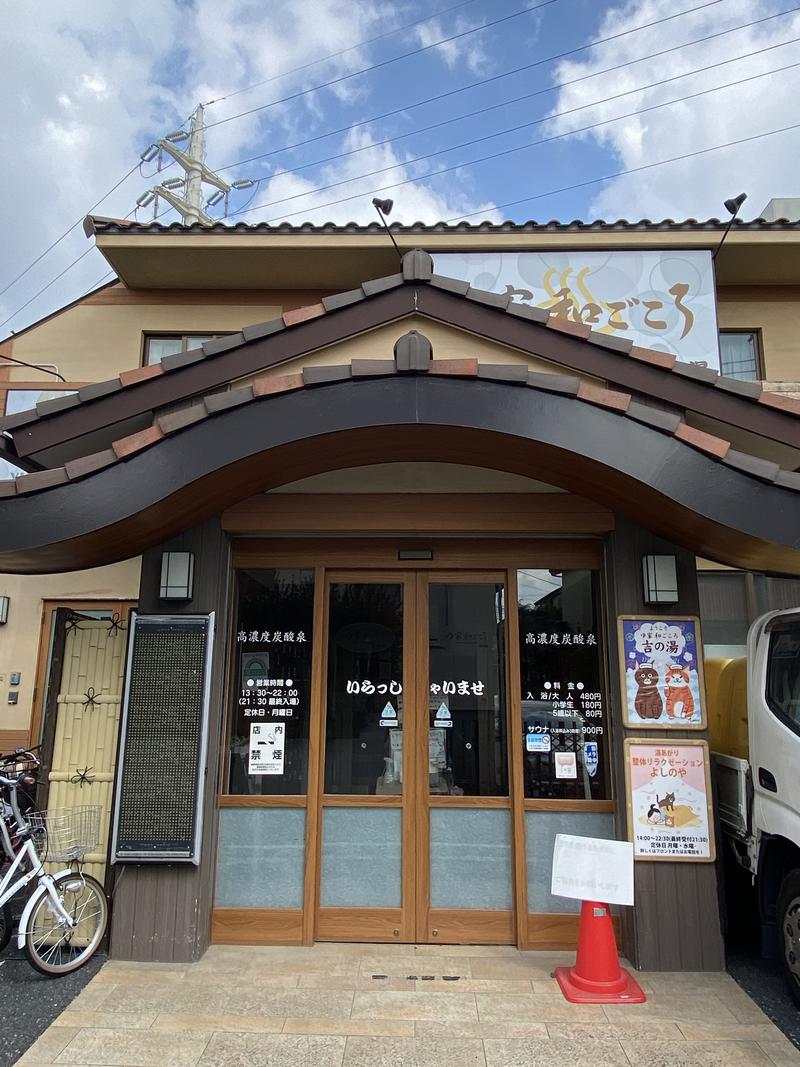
[
  {"x": 660, "y": 580},
  {"x": 4, "y": 602},
  {"x": 177, "y": 575}
]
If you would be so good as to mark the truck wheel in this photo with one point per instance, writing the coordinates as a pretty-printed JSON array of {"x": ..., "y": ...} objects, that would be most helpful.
[{"x": 788, "y": 914}]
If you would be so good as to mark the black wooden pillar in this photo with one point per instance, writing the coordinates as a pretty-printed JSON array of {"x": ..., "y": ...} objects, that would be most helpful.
[
  {"x": 162, "y": 911},
  {"x": 675, "y": 923}
]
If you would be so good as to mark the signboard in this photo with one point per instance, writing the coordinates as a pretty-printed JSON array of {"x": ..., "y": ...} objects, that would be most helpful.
[
  {"x": 668, "y": 791},
  {"x": 163, "y": 738},
  {"x": 590, "y": 868},
  {"x": 661, "y": 668},
  {"x": 267, "y": 747},
  {"x": 659, "y": 299}
]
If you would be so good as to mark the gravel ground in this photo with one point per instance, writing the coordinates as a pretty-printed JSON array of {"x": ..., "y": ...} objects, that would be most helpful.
[{"x": 29, "y": 1002}]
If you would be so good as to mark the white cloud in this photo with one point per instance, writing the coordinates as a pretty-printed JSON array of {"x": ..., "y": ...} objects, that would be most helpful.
[
  {"x": 695, "y": 187},
  {"x": 94, "y": 83},
  {"x": 418, "y": 201}
]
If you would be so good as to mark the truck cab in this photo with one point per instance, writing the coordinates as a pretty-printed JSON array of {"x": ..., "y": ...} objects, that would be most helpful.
[{"x": 754, "y": 730}]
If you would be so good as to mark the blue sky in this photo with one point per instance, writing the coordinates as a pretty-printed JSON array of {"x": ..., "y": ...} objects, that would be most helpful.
[{"x": 93, "y": 84}]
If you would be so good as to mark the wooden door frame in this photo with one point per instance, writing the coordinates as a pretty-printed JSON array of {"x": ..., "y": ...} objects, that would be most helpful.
[
  {"x": 453, "y": 559},
  {"x": 372, "y": 924}
]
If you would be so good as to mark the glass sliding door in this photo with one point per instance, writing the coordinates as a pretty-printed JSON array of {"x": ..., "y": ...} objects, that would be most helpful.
[
  {"x": 465, "y": 835},
  {"x": 366, "y": 857}
]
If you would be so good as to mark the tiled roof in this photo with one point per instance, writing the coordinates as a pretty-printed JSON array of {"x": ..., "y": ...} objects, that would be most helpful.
[
  {"x": 264, "y": 387},
  {"x": 417, "y": 268},
  {"x": 96, "y": 224}
]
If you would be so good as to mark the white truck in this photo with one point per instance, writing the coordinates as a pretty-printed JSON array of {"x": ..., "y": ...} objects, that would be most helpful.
[{"x": 754, "y": 730}]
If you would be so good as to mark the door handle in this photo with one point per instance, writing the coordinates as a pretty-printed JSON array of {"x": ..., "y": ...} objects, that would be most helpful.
[{"x": 766, "y": 779}]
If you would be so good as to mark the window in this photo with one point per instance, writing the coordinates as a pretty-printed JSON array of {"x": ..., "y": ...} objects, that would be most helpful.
[
  {"x": 564, "y": 711},
  {"x": 156, "y": 346},
  {"x": 783, "y": 672},
  {"x": 272, "y": 684},
  {"x": 739, "y": 355}
]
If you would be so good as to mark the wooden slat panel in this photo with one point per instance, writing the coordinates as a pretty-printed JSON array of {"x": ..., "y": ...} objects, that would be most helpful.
[
  {"x": 418, "y": 513},
  {"x": 456, "y": 926},
  {"x": 139, "y": 930},
  {"x": 360, "y": 924},
  {"x": 375, "y": 552},
  {"x": 256, "y": 926},
  {"x": 246, "y": 801},
  {"x": 557, "y": 931},
  {"x": 547, "y": 804},
  {"x": 675, "y": 924}
]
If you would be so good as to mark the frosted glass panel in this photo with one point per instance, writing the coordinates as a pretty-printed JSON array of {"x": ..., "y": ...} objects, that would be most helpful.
[
  {"x": 261, "y": 858},
  {"x": 470, "y": 858},
  {"x": 541, "y": 828},
  {"x": 361, "y": 858}
]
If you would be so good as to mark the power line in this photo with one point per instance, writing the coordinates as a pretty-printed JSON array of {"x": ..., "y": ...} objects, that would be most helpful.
[
  {"x": 512, "y": 129},
  {"x": 517, "y": 148},
  {"x": 294, "y": 96},
  {"x": 342, "y": 52},
  {"x": 517, "y": 70},
  {"x": 387, "y": 62},
  {"x": 67, "y": 232},
  {"x": 508, "y": 151},
  {"x": 630, "y": 170}
]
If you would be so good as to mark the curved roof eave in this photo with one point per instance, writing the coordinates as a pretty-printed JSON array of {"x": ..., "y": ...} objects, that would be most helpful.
[{"x": 193, "y": 464}]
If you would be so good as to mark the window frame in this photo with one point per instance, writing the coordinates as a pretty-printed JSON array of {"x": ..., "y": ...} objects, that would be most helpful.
[
  {"x": 756, "y": 332},
  {"x": 779, "y": 713},
  {"x": 185, "y": 338}
]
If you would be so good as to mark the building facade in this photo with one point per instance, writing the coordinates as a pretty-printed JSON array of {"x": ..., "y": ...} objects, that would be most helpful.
[{"x": 401, "y": 517}]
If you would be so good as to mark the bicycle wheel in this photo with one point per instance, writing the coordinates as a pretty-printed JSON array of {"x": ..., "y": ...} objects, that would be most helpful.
[
  {"x": 54, "y": 949},
  {"x": 6, "y": 923}
]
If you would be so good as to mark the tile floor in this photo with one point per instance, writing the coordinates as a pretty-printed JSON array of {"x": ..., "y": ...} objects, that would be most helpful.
[{"x": 430, "y": 1006}]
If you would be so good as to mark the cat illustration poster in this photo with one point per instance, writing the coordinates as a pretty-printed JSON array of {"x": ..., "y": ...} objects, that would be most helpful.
[
  {"x": 661, "y": 665},
  {"x": 668, "y": 791}
]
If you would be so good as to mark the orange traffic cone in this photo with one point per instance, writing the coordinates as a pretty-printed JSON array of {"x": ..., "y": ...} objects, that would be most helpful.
[{"x": 597, "y": 977}]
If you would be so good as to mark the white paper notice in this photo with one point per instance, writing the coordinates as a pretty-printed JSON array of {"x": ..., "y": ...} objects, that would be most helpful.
[
  {"x": 589, "y": 868},
  {"x": 566, "y": 765},
  {"x": 267, "y": 748}
]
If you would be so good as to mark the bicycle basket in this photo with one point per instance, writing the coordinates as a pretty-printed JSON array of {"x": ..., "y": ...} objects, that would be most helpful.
[{"x": 66, "y": 834}]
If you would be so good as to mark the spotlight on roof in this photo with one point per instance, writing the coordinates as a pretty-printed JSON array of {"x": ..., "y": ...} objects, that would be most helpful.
[
  {"x": 734, "y": 204},
  {"x": 384, "y": 206}
]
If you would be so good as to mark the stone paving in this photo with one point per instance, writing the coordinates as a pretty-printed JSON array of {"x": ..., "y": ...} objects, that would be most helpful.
[{"x": 398, "y": 1006}]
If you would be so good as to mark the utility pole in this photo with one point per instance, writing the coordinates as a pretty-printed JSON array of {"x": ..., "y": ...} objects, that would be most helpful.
[
  {"x": 194, "y": 177},
  {"x": 186, "y": 194}
]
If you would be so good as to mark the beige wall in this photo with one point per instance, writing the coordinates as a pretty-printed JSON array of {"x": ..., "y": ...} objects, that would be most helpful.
[
  {"x": 776, "y": 312},
  {"x": 447, "y": 342},
  {"x": 19, "y": 638},
  {"x": 92, "y": 343}
]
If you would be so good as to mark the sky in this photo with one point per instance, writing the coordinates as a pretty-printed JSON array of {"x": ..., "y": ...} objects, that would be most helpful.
[{"x": 578, "y": 91}]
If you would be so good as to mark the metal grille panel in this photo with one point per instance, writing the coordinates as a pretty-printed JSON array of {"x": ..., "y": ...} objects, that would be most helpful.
[{"x": 163, "y": 744}]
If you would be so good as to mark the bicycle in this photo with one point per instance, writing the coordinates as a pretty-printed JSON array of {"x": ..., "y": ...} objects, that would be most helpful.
[{"x": 66, "y": 915}]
